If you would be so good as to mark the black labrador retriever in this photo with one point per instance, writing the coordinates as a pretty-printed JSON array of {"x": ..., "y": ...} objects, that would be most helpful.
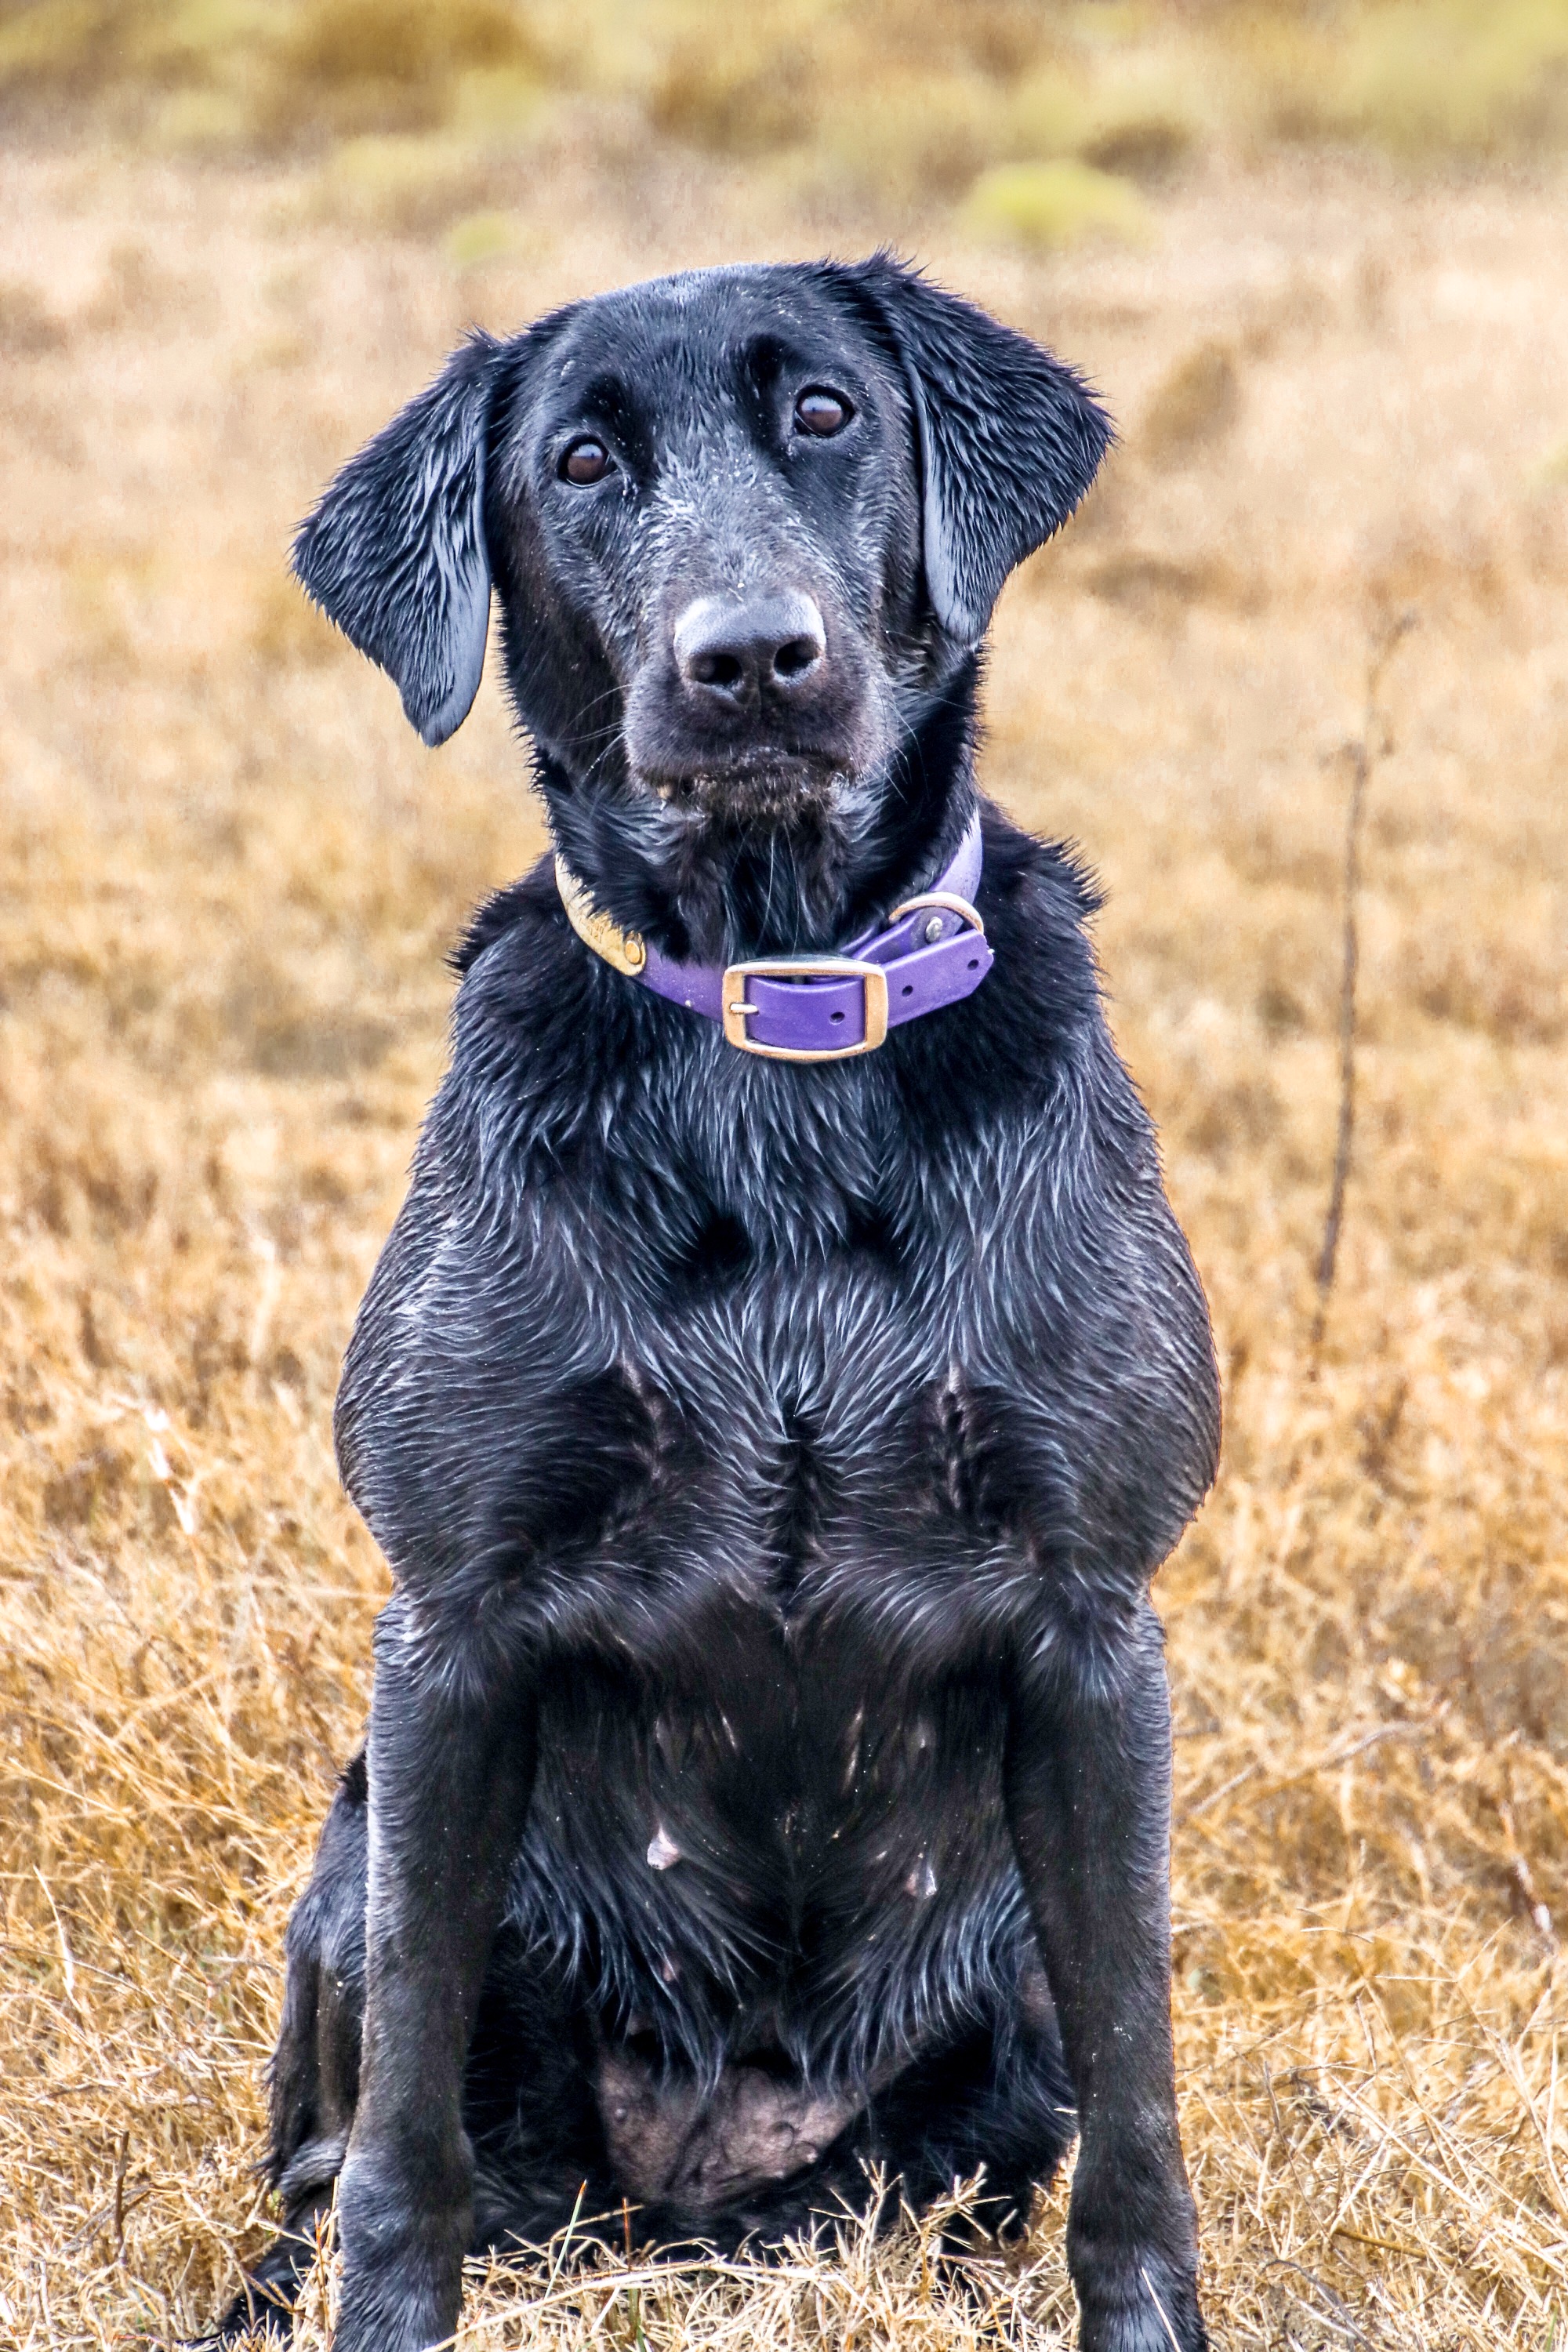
[{"x": 785, "y": 1374}]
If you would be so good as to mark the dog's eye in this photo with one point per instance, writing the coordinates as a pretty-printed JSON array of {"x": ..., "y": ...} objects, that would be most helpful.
[
  {"x": 822, "y": 413},
  {"x": 585, "y": 461}
]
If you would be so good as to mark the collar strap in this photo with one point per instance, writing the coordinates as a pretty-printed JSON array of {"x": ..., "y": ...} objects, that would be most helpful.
[{"x": 932, "y": 951}]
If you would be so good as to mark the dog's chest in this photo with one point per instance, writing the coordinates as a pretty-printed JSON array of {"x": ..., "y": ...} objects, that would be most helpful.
[
  {"x": 834, "y": 1358},
  {"x": 820, "y": 1414},
  {"x": 750, "y": 1366}
]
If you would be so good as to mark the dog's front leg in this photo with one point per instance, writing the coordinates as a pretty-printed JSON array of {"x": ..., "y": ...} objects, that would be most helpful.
[
  {"x": 1089, "y": 1799},
  {"x": 452, "y": 1746}
]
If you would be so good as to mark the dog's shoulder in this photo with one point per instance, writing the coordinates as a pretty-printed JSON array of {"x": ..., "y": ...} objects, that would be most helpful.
[
  {"x": 1038, "y": 1028},
  {"x": 1035, "y": 1077},
  {"x": 1039, "y": 897},
  {"x": 539, "y": 1021},
  {"x": 528, "y": 906}
]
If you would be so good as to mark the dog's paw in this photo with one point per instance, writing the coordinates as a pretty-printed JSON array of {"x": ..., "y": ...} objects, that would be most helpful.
[
  {"x": 403, "y": 2263},
  {"x": 397, "y": 2307},
  {"x": 1148, "y": 2308},
  {"x": 252, "y": 2320}
]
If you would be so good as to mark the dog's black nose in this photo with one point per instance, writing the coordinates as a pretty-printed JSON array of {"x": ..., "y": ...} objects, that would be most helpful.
[{"x": 738, "y": 645}]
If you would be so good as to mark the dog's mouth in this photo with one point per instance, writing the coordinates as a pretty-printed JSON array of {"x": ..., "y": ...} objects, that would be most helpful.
[{"x": 764, "y": 780}]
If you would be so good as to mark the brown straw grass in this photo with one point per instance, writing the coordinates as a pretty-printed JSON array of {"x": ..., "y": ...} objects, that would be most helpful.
[{"x": 227, "y": 877}]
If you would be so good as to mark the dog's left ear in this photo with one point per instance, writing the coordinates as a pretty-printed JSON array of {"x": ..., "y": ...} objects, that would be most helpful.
[
  {"x": 395, "y": 552},
  {"x": 1010, "y": 438}
]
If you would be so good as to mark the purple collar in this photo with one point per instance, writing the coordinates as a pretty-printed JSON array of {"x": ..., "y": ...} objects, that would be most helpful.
[{"x": 932, "y": 951}]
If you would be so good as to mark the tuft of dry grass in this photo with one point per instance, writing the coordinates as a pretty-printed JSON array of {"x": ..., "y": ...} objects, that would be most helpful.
[{"x": 227, "y": 877}]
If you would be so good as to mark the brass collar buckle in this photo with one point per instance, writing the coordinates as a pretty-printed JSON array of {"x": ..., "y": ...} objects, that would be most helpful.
[{"x": 736, "y": 1011}]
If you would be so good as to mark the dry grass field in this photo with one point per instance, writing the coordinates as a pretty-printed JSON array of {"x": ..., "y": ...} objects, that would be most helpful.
[{"x": 228, "y": 874}]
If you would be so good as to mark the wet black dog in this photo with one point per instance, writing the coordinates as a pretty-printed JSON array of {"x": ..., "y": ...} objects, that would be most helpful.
[{"x": 769, "y": 1762}]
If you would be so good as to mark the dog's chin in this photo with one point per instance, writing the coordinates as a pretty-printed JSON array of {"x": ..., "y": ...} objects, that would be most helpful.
[{"x": 756, "y": 788}]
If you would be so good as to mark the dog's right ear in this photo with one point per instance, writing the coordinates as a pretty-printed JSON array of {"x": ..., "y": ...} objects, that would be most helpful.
[{"x": 396, "y": 552}]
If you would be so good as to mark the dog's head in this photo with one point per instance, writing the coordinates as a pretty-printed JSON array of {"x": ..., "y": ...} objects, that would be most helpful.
[{"x": 745, "y": 526}]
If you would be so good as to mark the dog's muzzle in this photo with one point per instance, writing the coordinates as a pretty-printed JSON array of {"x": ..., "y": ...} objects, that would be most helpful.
[{"x": 932, "y": 951}]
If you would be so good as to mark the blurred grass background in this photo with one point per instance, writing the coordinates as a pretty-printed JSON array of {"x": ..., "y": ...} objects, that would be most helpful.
[
  {"x": 1317, "y": 259},
  {"x": 1045, "y": 121}
]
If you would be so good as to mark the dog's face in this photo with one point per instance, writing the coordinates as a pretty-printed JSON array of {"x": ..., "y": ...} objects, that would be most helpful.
[
  {"x": 717, "y": 502},
  {"x": 745, "y": 525}
]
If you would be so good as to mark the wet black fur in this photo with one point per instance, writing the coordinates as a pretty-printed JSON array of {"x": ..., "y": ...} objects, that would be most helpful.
[{"x": 772, "y": 1459}]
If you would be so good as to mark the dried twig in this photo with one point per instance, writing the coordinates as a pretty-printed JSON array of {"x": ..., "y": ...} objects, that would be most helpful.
[{"x": 1363, "y": 751}]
